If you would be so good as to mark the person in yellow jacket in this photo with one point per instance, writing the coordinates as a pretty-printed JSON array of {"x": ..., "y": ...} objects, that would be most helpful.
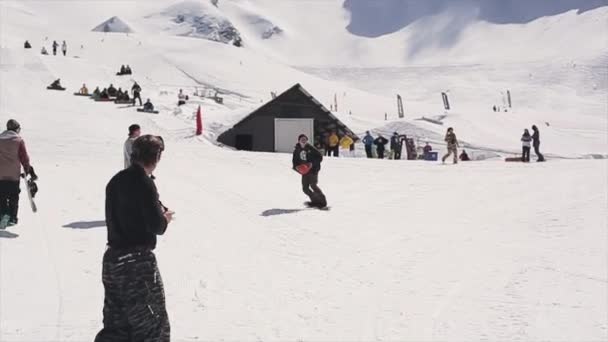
[
  {"x": 345, "y": 144},
  {"x": 334, "y": 144}
]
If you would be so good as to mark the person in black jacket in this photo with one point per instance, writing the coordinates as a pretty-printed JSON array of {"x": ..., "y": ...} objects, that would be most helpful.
[
  {"x": 536, "y": 144},
  {"x": 396, "y": 145},
  {"x": 380, "y": 142},
  {"x": 134, "y": 305},
  {"x": 304, "y": 153},
  {"x": 136, "y": 89}
]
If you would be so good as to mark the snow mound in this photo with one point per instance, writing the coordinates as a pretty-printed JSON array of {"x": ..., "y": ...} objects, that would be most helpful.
[
  {"x": 114, "y": 24},
  {"x": 201, "y": 20}
]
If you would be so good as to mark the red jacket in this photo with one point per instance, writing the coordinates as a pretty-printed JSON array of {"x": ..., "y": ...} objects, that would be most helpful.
[{"x": 13, "y": 155}]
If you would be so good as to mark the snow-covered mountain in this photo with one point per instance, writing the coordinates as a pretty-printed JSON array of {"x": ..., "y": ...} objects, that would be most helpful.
[{"x": 409, "y": 250}]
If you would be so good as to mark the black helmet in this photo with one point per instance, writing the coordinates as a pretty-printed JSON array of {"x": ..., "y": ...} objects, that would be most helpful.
[{"x": 12, "y": 125}]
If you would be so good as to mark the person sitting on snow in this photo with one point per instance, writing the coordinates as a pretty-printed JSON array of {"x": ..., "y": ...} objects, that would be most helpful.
[
  {"x": 128, "y": 70},
  {"x": 123, "y": 70},
  {"x": 104, "y": 94},
  {"x": 27, "y": 45},
  {"x": 43, "y": 51},
  {"x": 148, "y": 106},
  {"x": 464, "y": 156},
  {"x": 112, "y": 92},
  {"x": 84, "y": 89},
  {"x": 56, "y": 84}
]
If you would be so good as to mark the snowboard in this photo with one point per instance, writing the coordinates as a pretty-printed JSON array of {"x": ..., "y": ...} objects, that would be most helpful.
[
  {"x": 147, "y": 111},
  {"x": 104, "y": 100},
  {"x": 309, "y": 204},
  {"x": 123, "y": 101},
  {"x": 51, "y": 88},
  {"x": 81, "y": 94},
  {"x": 31, "y": 189},
  {"x": 4, "y": 221},
  {"x": 513, "y": 159}
]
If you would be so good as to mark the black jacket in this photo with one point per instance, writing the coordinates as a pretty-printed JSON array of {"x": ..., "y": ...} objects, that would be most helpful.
[
  {"x": 536, "y": 138},
  {"x": 134, "y": 215},
  {"x": 380, "y": 142},
  {"x": 308, "y": 154},
  {"x": 396, "y": 142}
]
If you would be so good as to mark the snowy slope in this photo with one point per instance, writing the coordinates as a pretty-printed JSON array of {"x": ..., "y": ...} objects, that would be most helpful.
[{"x": 408, "y": 251}]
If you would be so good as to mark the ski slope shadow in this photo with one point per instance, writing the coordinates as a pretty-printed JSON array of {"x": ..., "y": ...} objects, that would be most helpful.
[
  {"x": 275, "y": 212},
  {"x": 7, "y": 235},
  {"x": 85, "y": 224}
]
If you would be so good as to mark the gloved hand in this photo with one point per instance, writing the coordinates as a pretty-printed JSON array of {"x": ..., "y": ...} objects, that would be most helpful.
[{"x": 32, "y": 174}]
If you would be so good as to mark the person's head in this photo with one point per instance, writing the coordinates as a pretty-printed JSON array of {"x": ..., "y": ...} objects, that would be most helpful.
[
  {"x": 450, "y": 130},
  {"x": 534, "y": 128},
  {"x": 526, "y": 131},
  {"x": 302, "y": 140},
  {"x": 111, "y": 85},
  {"x": 13, "y": 125},
  {"x": 148, "y": 101},
  {"x": 427, "y": 143},
  {"x": 83, "y": 85},
  {"x": 134, "y": 131},
  {"x": 395, "y": 133},
  {"x": 147, "y": 150},
  {"x": 367, "y": 132}
]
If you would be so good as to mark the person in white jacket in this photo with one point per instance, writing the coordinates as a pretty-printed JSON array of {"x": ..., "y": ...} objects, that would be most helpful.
[{"x": 134, "y": 133}]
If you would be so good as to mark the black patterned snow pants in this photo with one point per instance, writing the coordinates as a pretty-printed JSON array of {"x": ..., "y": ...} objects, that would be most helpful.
[{"x": 134, "y": 305}]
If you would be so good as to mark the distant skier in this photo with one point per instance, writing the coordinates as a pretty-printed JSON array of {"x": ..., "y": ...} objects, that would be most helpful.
[
  {"x": 55, "y": 45},
  {"x": 64, "y": 48},
  {"x": 134, "y": 304},
  {"x": 452, "y": 142},
  {"x": 136, "y": 89},
  {"x": 368, "y": 141},
  {"x": 27, "y": 45},
  {"x": 396, "y": 146},
  {"x": 536, "y": 144},
  {"x": 13, "y": 156},
  {"x": 380, "y": 143},
  {"x": 305, "y": 154},
  {"x": 134, "y": 133},
  {"x": 525, "y": 142}
]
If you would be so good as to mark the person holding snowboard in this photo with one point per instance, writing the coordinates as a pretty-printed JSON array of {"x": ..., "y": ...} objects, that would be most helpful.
[
  {"x": 13, "y": 156},
  {"x": 525, "y": 142},
  {"x": 380, "y": 143},
  {"x": 134, "y": 304},
  {"x": 536, "y": 144},
  {"x": 307, "y": 161},
  {"x": 452, "y": 142},
  {"x": 134, "y": 133}
]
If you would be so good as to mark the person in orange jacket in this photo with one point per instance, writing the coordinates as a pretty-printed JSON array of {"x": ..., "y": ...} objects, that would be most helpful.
[{"x": 334, "y": 144}]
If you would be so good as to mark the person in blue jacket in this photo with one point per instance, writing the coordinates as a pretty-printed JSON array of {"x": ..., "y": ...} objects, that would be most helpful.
[{"x": 368, "y": 141}]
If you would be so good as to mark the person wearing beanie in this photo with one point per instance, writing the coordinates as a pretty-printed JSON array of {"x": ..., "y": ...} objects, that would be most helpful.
[
  {"x": 305, "y": 154},
  {"x": 134, "y": 133},
  {"x": 13, "y": 156}
]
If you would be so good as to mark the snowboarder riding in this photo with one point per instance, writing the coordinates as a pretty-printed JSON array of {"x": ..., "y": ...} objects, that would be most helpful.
[{"x": 307, "y": 162}]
